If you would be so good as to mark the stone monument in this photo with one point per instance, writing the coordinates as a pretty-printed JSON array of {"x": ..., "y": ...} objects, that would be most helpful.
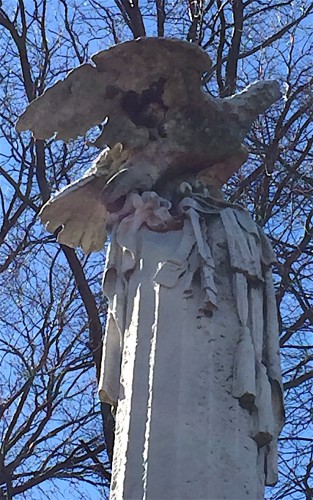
[{"x": 191, "y": 353}]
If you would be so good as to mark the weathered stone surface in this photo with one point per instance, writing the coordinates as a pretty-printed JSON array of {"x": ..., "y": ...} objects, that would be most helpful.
[
  {"x": 150, "y": 90},
  {"x": 199, "y": 403},
  {"x": 169, "y": 129},
  {"x": 191, "y": 355}
]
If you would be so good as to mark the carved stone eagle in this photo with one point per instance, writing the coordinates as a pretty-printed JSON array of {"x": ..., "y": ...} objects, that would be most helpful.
[{"x": 161, "y": 127}]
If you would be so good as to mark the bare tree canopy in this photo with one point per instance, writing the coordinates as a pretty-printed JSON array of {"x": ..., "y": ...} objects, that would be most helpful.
[{"x": 52, "y": 309}]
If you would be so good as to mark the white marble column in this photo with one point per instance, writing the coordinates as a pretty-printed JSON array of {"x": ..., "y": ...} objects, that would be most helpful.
[{"x": 183, "y": 359}]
